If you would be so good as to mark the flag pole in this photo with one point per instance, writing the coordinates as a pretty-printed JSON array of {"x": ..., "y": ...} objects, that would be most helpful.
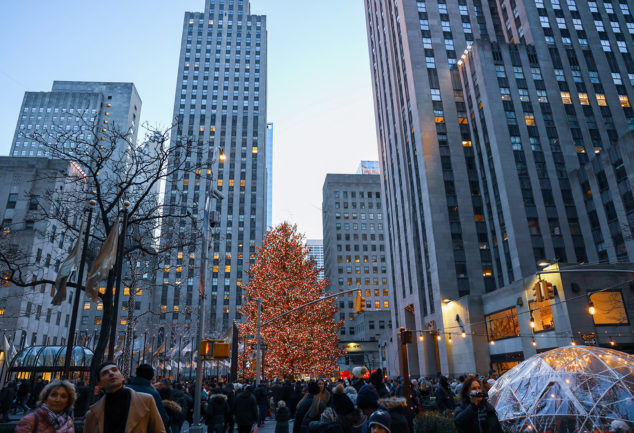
[
  {"x": 80, "y": 276},
  {"x": 117, "y": 293}
]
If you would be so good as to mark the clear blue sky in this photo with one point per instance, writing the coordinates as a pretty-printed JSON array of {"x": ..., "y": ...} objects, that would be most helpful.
[{"x": 320, "y": 97}]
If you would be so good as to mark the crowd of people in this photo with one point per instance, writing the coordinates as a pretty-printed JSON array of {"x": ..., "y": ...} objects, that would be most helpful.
[{"x": 140, "y": 404}]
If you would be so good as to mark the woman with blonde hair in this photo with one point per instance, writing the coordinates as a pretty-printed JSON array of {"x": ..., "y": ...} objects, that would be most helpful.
[{"x": 53, "y": 413}]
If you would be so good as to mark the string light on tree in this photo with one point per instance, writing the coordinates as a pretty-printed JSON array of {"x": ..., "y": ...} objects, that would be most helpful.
[{"x": 305, "y": 341}]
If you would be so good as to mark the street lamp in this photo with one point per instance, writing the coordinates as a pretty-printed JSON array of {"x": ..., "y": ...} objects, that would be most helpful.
[{"x": 591, "y": 308}]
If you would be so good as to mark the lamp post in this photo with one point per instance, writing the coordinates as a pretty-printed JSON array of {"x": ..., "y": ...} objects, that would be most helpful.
[{"x": 80, "y": 277}]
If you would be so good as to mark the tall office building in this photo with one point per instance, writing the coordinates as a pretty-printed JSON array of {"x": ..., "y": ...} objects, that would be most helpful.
[
  {"x": 483, "y": 111},
  {"x": 269, "y": 174},
  {"x": 78, "y": 109},
  {"x": 316, "y": 251},
  {"x": 354, "y": 244},
  {"x": 220, "y": 103}
]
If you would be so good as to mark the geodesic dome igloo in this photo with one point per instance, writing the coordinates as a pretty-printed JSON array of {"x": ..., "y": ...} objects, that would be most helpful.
[{"x": 565, "y": 390}]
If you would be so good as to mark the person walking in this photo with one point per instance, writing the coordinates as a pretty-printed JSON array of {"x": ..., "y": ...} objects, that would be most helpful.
[
  {"x": 52, "y": 415},
  {"x": 217, "y": 412},
  {"x": 245, "y": 410},
  {"x": 282, "y": 415},
  {"x": 141, "y": 383},
  {"x": 475, "y": 413},
  {"x": 121, "y": 409},
  {"x": 261, "y": 397}
]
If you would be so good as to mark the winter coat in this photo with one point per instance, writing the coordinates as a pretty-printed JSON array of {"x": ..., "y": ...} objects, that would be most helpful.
[
  {"x": 140, "y": 384},
  {"x": 143, "y": 416},
  {"x": 245, "y": 408},
  {"x": 444, "y": 398},
  {"x": 7, "y": 395},
  {"x": 282, "y": 416},
  {"x": 27, "y": 424},
  {"x": 301, "y": 419},
  {"x": 217, "y": 410},
  {"x": 401, "y": 417},
  {"x": 468, "y": 416},
  {"x": 184, "y": 400},
  {"x": 261, "y": 392}
]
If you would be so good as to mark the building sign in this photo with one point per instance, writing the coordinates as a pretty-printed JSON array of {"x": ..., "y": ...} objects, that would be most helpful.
[{"x": 589, "y": 339}]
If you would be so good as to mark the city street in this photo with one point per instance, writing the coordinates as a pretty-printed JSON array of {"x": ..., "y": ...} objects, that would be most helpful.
[{"x": 269, "y": 427}]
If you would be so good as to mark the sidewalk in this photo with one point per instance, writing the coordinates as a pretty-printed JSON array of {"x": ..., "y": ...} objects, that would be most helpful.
[{"x": 269, "y": 427}]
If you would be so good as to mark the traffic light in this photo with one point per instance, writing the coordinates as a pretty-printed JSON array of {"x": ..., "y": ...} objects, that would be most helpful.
[
  {"x": 221, "y": 350},
  {"x": 537, "y": 291},
  {"x": 359, "y": 303},
  {"x": 548, "y": 290},
  {"x": 407, "y": 337},
  {"x": 206, "y": 347}
]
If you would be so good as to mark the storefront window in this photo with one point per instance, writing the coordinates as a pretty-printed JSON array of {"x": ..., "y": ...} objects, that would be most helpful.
[
  {"x": 543, "y": 315},
  {"x": 610, "y": 309},
  {"x": 503, "y": 324}
]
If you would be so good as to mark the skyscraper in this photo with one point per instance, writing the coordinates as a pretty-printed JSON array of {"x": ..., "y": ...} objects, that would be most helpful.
[
  {"x": 220, "y": 103},
  {"x": 269, "y": 174},
  {"x": 76, "y": 109},
  {"x": 354, "y": 244},
  {"x": 483, "y": 112}
]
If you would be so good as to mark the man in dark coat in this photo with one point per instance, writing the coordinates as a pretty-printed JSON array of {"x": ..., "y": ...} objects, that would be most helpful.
[
  {"x": 444, "y": 396},
  {"x": 6, "y": 400},
  {"x": 141, "y": 383},
  {"x": 261, "y": 397},
  {"x": 185, "y": 401},
  {"x": 245, "y": 410},
  {"x": 217, "y": 412}
]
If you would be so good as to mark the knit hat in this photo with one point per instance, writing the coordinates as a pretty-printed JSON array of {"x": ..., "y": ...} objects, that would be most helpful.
[
  {"x": 145, "y": 371},
  {"x": 367, "y": 398},
  {"x": 313, "y": 388},
  {"x": 340, "y": 401},
  {"x": 351, "y": 392},
  {"x": 381, "y": 418}
]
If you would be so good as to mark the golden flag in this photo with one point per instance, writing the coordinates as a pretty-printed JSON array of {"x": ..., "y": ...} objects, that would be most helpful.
[
  {"x": 103, "y": 263},
  {"x": 160, "y": 350}
]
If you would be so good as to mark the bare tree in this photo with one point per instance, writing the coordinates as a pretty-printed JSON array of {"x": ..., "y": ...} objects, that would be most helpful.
[{"x": 112, "y": 168}]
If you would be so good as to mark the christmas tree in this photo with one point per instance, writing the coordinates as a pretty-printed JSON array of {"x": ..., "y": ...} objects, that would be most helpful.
[{"x": 284, "y": 277}]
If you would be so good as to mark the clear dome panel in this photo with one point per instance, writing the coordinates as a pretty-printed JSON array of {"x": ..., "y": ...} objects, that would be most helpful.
[{"x": 569, "y": 389}]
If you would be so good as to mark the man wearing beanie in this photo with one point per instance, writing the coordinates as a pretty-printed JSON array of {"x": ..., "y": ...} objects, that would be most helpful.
[
  {"x": 309, "y": 409},
  {"x": 121, "y": 409},
  {"x": 368, "y": 399},
  {"x": 142, "y": 382},
  {"x": 380, "y": 422}
]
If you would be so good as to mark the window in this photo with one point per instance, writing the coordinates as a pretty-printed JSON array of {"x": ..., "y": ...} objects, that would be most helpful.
[
  {"x": 565, "y": 98},
  {"x": 583, "y": 99},
  {"x": 529, "y": 119},
  {"x": 543, "y": 315},
  {"x": 610, "y": 308},
  {"x": 601, "y": 100},
  {"x": 503, "y": 324},
  {"x": 625, "y": 102},
  {"x": 13, "y": 199}
]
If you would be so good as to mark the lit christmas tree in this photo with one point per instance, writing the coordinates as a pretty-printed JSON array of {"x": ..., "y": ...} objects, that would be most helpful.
[{"x": 284, "y": 277}]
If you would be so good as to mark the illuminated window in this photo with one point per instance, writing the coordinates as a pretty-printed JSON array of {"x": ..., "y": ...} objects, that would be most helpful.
[
  {"x": 487, "y": 272},
  {"x": 565, "y": 98},
  {"x": 98, "y": 320},
  {"x": 86, "y": 305},
  {"x": 543, "y": 315},
  {"x": 163, "y": 308},
  {"x": 367, "y": 292},
  {"x": 385, "y": 293},
  {"x": 126, "y": 291},
  {"x": 215, "y": 268},
  {"x": 386, "y": 304},
  {"x": 463, "y": 121},
  {"x": 625, "y": 102},
  {"x": 231, "y": 182},
  {"x": 123, "y": 321},
  {"x": 503, "y": 324},
  {"x": 219, "y": 182},
  {"x": 139, "y": 291},
  {"x": 377, "y": 305},
  {"x": 601, "y": 100},
  {"x": 254, "y": 150},
  {"x": 610, "y": 308},
  {"x": 107, "y": 114},
  {"x": 186, "y": 182},
  {"x": 227, "y": 268},
  {"x": 105, "y": 121},
  {"x": 108, "y": 105},
  {"x": 243, "y": 182},
  {"x": 529, "y": 119},
  {"x": 466, "y": 143},
  {"x": 439, "y": 119},
  {"x": 583, "y": 98},
  {"x": 176, "y": 308},
  {"x": 99, "y": 306}
]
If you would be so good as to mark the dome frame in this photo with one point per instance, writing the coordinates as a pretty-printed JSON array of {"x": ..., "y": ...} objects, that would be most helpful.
[{"x": 573, "y": 388}]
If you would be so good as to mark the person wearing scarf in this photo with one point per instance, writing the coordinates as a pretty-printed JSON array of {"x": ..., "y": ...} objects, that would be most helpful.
[{"x": 53, "y": 413}]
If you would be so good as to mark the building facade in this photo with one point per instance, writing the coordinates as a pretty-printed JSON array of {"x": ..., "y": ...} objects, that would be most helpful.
[
  {"x": 27, "y": 317},
  {"x": 269, "y": 175},
  {"x": 354, "y": 245},
  {"x": 483, "y": 110},
  {"x": 220, "y": 103},
  {"x": 316, "y": 252},
  {"x": 78, "y": 109}
]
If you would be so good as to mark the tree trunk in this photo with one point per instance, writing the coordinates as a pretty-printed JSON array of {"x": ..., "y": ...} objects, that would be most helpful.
[{"x": 104, "y": 333}]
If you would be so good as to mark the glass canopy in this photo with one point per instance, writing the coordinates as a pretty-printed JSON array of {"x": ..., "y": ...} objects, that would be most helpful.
[
  {"x": 50, "y": 357},
  {"x": 569, "y": 389}
]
